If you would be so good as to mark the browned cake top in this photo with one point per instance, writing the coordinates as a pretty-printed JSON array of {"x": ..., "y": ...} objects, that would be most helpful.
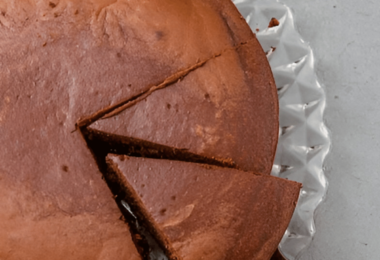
[
  {"x": 65, "y": 60},
  {"x": 207, "y": 212},
  {"x": 227, "y": 108}
]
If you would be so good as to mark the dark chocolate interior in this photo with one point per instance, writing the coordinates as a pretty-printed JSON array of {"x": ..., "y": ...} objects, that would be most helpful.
[{"x": 101, "y": 144}]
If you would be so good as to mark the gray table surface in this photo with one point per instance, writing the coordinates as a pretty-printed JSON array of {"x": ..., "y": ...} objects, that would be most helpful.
[{"x": 345, "y": 37}]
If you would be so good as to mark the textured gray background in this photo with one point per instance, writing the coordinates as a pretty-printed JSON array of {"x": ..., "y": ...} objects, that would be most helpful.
[{"x": 345, "y": 37}]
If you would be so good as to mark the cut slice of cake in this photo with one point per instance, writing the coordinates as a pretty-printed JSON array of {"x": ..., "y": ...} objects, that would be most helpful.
[
  {"x": 216, "y": 110},
  {"x": 199, "y": 211},
  {"x": 228, "y": 108}
]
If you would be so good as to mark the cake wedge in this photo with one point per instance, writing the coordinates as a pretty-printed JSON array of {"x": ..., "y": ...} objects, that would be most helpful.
[{"x": 199, "y": 211}]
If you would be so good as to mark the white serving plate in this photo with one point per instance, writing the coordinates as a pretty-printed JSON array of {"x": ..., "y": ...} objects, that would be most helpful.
[{"x": 304, "y": 140}]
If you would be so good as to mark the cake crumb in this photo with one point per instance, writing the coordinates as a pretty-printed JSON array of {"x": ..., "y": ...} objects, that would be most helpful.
[{"x": 273, "y": 23}]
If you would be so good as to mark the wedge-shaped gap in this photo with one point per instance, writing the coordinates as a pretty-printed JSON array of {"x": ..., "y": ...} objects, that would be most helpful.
[
  {"x": 149, "y": 238},
  {"x": 102, "y": 143},
  {"x": 100, "y": 146},
  {"x": 143, "y": 234}
]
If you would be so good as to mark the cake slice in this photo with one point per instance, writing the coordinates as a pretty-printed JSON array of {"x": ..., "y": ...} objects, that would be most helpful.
[
  {"x": 216, "y": 110},
  {"x": 227, "y": 108},
  {"x": 199, "y": 211}
]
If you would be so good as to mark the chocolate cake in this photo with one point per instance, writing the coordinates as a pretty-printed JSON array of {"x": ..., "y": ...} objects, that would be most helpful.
[
  {"x": 207, "y": 212},
  {"x": 228, "y": 108},
  {"x": 187, "y": 75}
]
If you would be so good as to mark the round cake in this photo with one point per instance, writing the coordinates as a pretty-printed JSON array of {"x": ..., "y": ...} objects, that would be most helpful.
[{"x": 188, "y": 75}]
